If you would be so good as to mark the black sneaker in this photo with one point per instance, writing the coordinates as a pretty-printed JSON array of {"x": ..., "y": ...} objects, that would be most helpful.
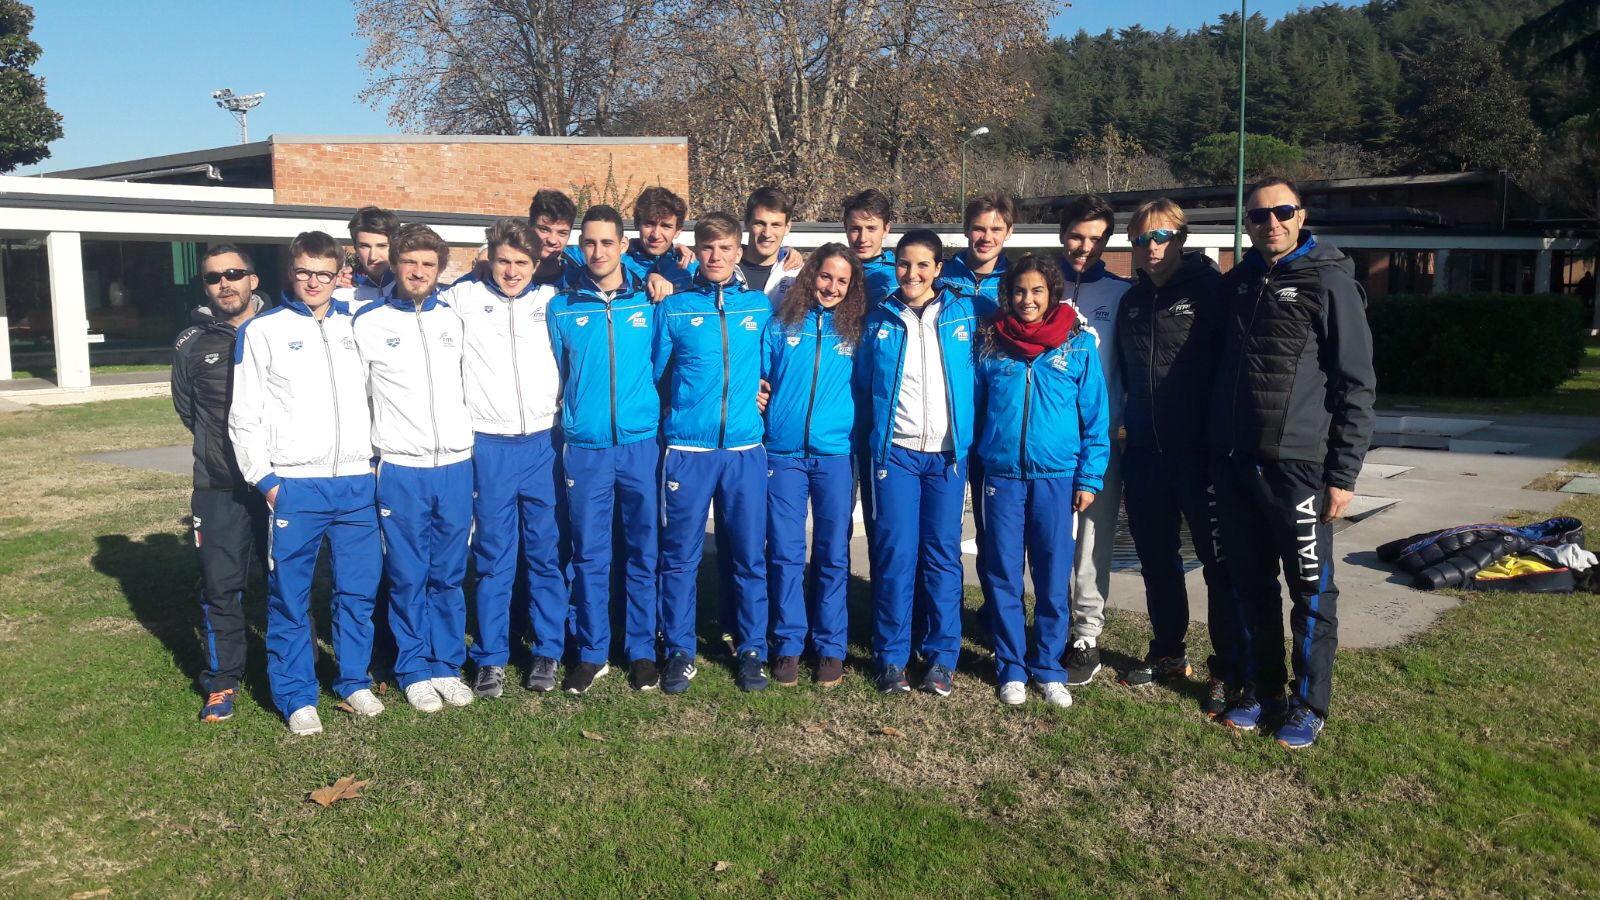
[
  {"x": 642, "y": 675},
  {"x": 1159, "y": 668},
  {"x": 541, "y": 676},
  {"x": 751, "y": 676},
  {"x": 490, "y": 682},
  {"x": 581, "y": 677},
  {"x": 679, "y": 672},
  {"x": 939, "y": 680},
  {"x": 1216, "y": 702},
  {"x": 786, "y": 671},
  {"x": 892, "y": 680},
  {"x": 1083, "y": 663}
]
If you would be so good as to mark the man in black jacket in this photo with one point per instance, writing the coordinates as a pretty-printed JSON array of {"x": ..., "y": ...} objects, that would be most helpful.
[
  {"x": 1169, "y": 340},
  {"x": 1291, "y": 420},
  {"x": 229, "y": 516}
]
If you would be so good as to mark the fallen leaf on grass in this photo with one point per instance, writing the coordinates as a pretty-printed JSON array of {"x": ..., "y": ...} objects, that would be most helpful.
[
  {"x": 346, "y": 788},
  {"x": 721, "y": 866},
  {"x": 890, "y": 731},
  {"x": 345, "y": 707},
  {"x": 594, "y": 736},
  {"x": 85, "y": 895}
]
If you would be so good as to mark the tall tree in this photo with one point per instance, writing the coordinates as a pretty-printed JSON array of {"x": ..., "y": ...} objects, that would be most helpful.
[
  {"x": 27, "y": 123},
  {"x": 1467, "y": 112}
]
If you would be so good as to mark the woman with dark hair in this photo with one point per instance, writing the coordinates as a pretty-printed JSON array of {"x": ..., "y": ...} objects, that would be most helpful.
[
  {"x": 1043, "y": 441},
  {"x": 808, "y": 359}
]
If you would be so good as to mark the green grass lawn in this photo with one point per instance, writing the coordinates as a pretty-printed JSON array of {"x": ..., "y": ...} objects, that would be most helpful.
[
  {"x": 1577, "y": 396},
  {"x": 1462, "y": 763}
]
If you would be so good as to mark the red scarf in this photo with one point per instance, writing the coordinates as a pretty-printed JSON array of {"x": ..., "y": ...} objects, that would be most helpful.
[{"x": 1029, "y": 339}]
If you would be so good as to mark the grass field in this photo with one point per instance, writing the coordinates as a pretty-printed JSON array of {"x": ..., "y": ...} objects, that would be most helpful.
[{"x": 1462, "y": 763}]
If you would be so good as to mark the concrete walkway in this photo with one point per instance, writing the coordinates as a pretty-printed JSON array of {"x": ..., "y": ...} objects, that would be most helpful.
[
  {"x": 1411, "y": 490},
  {"x": 21, "y": 393}
]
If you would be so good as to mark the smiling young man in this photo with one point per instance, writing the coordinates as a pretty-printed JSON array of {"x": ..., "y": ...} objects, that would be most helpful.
[
  {"x": 1095, "y": 292},
  {"x": 602, "y": 335},
  {"x": 301, "y": 432},
  {"x": 1169, "y": 340},
  {"x": 513, "y": 395},
  {"x": 980, "y": 269},
  {"x": 867, "y": 219},
  {"x": 1291, "y": 419},
  {"x": 229, "y": 516},
  {"x": 411, "y": 342},
  {"x": 371, "y": 229},
  {"x": 767, "y": 265},
  {"x": 711, "y": 339}
]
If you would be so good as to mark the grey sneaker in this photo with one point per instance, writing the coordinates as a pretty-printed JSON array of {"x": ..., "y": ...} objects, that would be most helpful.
[
  {"x": 490, "y": 683},
  {"x": 541, "y": 676}
]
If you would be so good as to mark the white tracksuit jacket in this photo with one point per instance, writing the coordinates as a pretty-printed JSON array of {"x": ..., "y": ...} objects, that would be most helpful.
[
  {"x": 513, "y": 386},
  {"x": 299, "y": 396},
  {"x": 413, "y": 358}
]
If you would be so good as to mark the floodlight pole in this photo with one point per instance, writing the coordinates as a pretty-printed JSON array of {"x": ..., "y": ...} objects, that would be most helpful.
[
  {"x": 1238, "y": 202},
  {"x": 239, "y": 107},
  {"x": 972, "y": 135}
]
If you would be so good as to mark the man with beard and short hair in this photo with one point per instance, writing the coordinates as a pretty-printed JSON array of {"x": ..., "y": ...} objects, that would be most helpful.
[
  {"x": 230, "y": 518},
  {"x": 411, "y": 342}
]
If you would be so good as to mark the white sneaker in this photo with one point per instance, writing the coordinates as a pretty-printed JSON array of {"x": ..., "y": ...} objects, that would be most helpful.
[
  {"x": 452, "y": 690},
  {"x": 1013, "y": 693},
  {"x": 1056, "y": 694},
  {"x": 423, "y": 698},
  {"x": 365, "y": 703},
  {"x": 305, "y": 721}
]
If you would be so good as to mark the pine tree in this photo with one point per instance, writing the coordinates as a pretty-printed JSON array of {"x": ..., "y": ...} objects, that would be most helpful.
[{"x": 27, "y": 124}]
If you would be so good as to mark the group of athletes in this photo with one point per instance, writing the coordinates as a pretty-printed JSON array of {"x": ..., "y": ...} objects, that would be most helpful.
[{"x": 570, "y": 417}]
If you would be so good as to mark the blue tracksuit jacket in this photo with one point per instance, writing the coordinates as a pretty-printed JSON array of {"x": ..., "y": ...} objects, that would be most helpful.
[
  {"x": 603, "y": 350},
  {"x": 882, "y": 360},
  {"x": 984, "y": 289},
  {"x": 1045, "y": 418},
  {"x": 810, "y": 367},
  {"x": 711, "y": 336}
]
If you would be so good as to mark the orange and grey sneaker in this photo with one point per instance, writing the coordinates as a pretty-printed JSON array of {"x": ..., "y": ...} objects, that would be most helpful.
[{"x": 219, "y": 706}]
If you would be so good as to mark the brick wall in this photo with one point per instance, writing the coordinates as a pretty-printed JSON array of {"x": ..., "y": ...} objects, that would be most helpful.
[{"x": 469, "y": 177}]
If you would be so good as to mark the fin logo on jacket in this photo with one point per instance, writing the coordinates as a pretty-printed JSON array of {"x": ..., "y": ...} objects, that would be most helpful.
[
  {"x": 697, "y": 320},
  {"x": 393, "y": 342},
  {"x": 749, "y": 323},
  {"x": 1102, "y": 314},
  {"x": 348, "y": 343},
  {"x": 1059, "y": 362},
  {"x": 581, "y": 321},
  {"x": 447, "y": 340},
  {"x": 844, "y": 349},
  {"x": 1287, "y": 295},
  {"x": 1182, "y": 308},
  {"x": 638, "y": 320},
  {"x": 296, "y": 345},
  {"x": 211, "y": 358},
  {"x": 961, "y": 333}
]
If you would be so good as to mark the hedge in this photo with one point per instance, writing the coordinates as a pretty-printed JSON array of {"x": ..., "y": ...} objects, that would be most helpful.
[{"x": 1475, "y": 345}]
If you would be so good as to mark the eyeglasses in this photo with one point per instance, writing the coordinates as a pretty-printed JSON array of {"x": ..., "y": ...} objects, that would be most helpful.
[
  {"x": 229, "y": 274},
  {"x": 1283, "y": 213},
  {"x": 308, "y": 274},
  {"x": 1156, "y": 236}
]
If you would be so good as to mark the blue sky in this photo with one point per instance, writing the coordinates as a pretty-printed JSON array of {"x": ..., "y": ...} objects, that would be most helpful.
[{"x": 134, "y": 79}]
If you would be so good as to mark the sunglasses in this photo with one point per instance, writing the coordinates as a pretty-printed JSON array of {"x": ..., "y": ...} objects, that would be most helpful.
[
  {"x": 1283, "y": 213},
  {"x": 324, "y": 277},
  {"x": 1157, "y": 236},
  {"x": 229, "y": 274}
]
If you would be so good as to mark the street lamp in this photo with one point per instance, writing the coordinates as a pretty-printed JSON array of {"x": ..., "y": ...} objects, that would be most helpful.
[
  {"x": 1238, "y": 202},
  {"x": 239, "y": 106},
  {"x": 972, "y": 135}
]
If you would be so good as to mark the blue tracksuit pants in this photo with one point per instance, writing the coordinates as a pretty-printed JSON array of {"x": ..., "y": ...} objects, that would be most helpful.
[
  {"x": 916, "y": 547},
  {"x": 1161, "y": 491},
  {"x": 1033, "y": 519},
  {"x": 517, "y": 504},
  {"x": 598, "y": 483},
  {"x": 814, "y": 605},
  {"x": 307, "y": 510},
  {"x": 737, "y": 481},
  {"x": 426, "y": 517}
]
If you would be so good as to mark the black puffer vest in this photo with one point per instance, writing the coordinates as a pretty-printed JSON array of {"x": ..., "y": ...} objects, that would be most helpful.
[{"x": 1169, "y": 341}]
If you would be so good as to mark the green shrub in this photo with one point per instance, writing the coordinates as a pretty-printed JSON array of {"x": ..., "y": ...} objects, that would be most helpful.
[{"x": 1475, "y": 345}]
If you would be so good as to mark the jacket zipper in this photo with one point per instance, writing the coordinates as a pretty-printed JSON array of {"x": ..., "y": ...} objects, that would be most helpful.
[
  {"x": 1155, "y": 307},
  {"x": 816, "y": 372},
  {"x": 899, "y": 382},
  {"x": 516, "y": 370},
  {"x": 427, "y": 369},
  {"x": 611, "y": 347},
  {"x": 722, "y": 316},
  {"x": 333, "y": 385},
  {"x": 922, "y": 348},
  {"x": 1027, "y": 403},
  {"x": 1238, "y": 374}
]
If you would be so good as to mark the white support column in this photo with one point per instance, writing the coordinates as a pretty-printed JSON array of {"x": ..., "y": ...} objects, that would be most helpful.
[
  {"x": 69, "y": 308},
  {"x": 5, "y": 326},
  {"x": 1441, "y": 271},
  {"x": 1541, "y": 272},
  {"x": 1214, "y": 254}
]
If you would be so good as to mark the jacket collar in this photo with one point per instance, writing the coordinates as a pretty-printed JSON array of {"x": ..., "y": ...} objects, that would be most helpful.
[
  {"x": 362, "y": 279},
  {"x": 1255, "y": 260},
  {"x": 583, "y": 284},
  {"x": 405, "y": 305},
  {"x": 1090, "y": 275}
]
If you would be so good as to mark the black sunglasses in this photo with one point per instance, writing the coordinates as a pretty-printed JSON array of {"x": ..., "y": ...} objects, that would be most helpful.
[
  {"x": 1284, "y": 213},
  {"x": 230, "y": 274}
]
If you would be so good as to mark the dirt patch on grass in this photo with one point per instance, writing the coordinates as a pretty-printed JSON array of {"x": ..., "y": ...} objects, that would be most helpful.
[
  {"x": 120, "y": 626},
  {"x": 1272, "y": 807},
  {"x": 11, "y": 626}
]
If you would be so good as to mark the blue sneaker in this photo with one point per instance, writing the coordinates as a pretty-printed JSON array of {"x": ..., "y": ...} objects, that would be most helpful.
[
  {"x": 219, "y": 706},
  {"x": 1243, "y": 713},
  {"x": 939, "y": 680},
  {"x": 751, "y": 676},
  {"x": 892, "y": 680},
  {"x": 1300, "y": 730},
  {"x": 679, "y": 672}
]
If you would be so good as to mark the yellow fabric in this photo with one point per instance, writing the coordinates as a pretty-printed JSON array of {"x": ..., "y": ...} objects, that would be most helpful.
[{"x": 1514, "y": 566}]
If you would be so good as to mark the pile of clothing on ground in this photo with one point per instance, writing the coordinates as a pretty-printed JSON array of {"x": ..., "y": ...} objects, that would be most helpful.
[{"x": 1544, "y": 558}]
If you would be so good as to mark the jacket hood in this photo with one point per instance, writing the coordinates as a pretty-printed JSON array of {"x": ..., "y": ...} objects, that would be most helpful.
[
  {"x": 1311, "y": 254},
  {"x": 1195, "y": 265}
]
